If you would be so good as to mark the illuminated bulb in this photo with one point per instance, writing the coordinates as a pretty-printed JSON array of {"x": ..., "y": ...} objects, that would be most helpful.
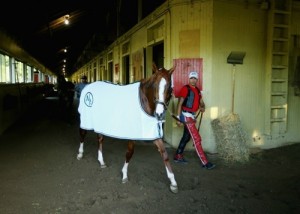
[{"x": 67, "y": 19}]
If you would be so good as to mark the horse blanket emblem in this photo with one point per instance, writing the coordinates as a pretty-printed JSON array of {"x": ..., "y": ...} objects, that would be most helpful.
[
  {"x": 115, "y": 111},
  {"x": 88, "y": 99}
]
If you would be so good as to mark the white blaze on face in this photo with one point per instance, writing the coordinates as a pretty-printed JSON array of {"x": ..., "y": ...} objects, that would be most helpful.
[{"x": 160, "y": 107}]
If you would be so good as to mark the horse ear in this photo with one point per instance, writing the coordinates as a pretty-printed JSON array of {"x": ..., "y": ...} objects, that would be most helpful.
[
  {"x": 172, "y": 69},
  {"x": 154, "y": 68}
]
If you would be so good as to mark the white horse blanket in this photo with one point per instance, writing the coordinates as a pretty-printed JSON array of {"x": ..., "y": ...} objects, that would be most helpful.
[{"x": 115, "y": 111}]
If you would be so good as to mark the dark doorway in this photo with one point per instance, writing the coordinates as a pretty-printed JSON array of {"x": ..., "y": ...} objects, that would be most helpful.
[
  {"x": 158, "y": 55},
  {"x": 125, "y": 72},
  {"x": 110, "y": 71}
]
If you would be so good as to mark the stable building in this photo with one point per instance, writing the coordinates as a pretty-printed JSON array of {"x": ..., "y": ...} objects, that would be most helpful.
[{"x": 247, "y": 53}]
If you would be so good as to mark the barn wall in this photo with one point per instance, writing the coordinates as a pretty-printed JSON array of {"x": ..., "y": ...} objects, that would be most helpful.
[
  {"x": 191, "y": 35},
  {"x": 239, "y": 27},
  {"x": 294, "y": 78}
]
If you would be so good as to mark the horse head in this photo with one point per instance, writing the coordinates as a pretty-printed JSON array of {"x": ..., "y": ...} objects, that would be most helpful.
[{"x": 157, "y": 92}]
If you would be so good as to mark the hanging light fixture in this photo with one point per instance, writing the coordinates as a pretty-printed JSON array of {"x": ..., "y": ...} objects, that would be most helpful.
[{"x": 67, "y": 19}]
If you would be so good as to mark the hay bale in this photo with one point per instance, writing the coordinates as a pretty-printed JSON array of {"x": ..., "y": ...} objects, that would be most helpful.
[{"x": 231, "y": 139}]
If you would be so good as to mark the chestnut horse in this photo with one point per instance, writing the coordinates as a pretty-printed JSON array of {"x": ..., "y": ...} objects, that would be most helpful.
[{"x": 134, "y": 112}]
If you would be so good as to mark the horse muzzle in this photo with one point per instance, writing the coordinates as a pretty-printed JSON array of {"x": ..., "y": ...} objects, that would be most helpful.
[
  {"x": 160, "y": 111},
  {"x": 160, "y": 116}
]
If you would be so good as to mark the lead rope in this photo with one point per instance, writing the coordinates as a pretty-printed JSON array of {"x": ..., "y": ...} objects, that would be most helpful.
[
  {"x": 160, "y": 122},
  {"x": 175, "y": 117}
]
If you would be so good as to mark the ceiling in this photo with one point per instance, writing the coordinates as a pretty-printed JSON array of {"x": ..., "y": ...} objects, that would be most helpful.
[{"x": 38, "y": 27}]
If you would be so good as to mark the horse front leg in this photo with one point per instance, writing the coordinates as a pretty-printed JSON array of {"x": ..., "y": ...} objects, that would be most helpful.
[
  {"x": 163, "y": 152},
  {"x": 129, "y": 153},
  {"x": 100, "y": 151},
  {"x": 82, "y": 134}
]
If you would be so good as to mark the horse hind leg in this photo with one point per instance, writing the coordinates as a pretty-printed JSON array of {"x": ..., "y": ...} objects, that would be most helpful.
[
  {"x": 100, "y": 151},
  {"x": 82, "y": 134},
  {"x": 163, "y": 152},
  {"x": 129, "y": 153}
]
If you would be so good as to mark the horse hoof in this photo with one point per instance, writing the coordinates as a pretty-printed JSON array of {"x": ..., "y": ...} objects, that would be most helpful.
[
  {"x": 79, "y": 156},
  {"x": 125, "y": 180},
  {"x": 103, "y": 166},
  {"x": 174, "y": 189}
]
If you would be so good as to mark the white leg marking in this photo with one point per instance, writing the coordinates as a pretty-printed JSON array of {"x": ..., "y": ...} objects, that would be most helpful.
[
  {"x": 80, "y": 151},
  {"x": 159, "y": 107},
  {"x": 124, "y": 172},
  {"x": 173, "y": 185},
  {"x": 100, "y": 159}
]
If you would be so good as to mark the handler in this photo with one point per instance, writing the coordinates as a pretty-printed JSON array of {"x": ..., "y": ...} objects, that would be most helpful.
[
  {"x": 80, "y": 86},
  {"x": 190, "y": 99}
]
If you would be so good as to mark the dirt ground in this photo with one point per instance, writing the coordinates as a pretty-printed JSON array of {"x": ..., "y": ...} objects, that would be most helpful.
[{"x": 39, "y": 173}]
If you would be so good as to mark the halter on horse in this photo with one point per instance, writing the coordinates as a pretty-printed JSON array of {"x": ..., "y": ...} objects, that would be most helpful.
[{"x": 152, "y": 95}]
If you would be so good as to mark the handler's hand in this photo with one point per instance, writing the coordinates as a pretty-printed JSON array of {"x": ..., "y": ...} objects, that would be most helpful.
[{"x": 178, "y": 123}]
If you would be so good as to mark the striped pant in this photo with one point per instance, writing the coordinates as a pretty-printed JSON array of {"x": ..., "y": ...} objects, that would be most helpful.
[{"x": 189, "y": 131}]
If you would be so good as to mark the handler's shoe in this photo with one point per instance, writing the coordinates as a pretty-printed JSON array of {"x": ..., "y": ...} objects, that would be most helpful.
[
  {"x": 178, "y": 158},
  {"x": 209, "y": 165}
]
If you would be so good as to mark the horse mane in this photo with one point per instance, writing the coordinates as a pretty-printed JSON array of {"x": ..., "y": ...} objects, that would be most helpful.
[{"x": 149, "y": 88}]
